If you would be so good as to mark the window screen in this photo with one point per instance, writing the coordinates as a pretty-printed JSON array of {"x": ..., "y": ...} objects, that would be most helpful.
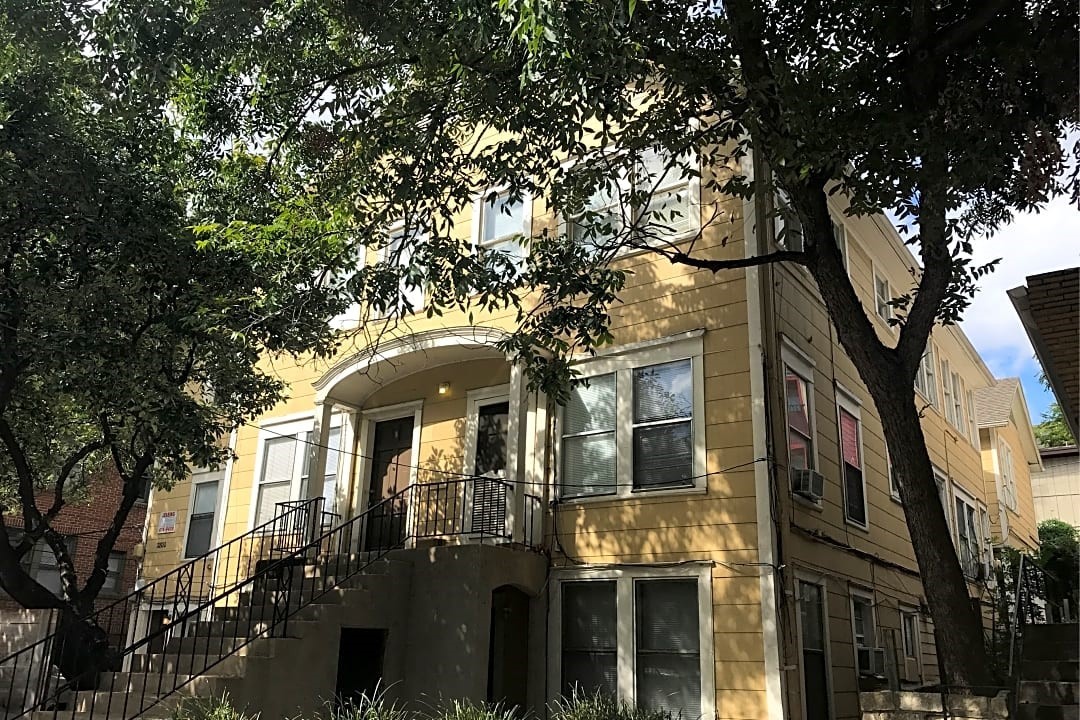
[
  {"x": 589, "y": 638},
  {"x": 588, "y": 444},
  {"x": 668, "y": 647},
  {"x": 663, "y": 425}
]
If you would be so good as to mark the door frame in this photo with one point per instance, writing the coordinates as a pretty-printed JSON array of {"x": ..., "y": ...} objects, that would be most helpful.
[
  {"x": 368, "y": 419},
  {"x": 811, "y": 578},
  {"x": 477, "y": 399}
]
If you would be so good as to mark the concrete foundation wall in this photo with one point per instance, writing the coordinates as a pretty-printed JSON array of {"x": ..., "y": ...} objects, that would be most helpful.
[
  {"x": 21, "y": 629},
  {"x": 890, "y": 705}
]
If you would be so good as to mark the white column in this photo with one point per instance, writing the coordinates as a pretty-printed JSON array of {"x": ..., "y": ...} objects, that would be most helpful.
[
  {"x": 536, "y": 464},
  {"x": 515, "y": 454},
  {"x": 320, "y": 439}
]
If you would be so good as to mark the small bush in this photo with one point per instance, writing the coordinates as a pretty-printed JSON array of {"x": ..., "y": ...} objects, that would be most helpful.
[
  {"x": 218, "y": 708},
  {"x": 376, "y": 707},
  {"x": 469, "y": 710}
]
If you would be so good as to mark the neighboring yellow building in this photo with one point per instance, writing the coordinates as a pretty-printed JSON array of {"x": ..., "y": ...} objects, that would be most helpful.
[{"x": 638, "y": 540}]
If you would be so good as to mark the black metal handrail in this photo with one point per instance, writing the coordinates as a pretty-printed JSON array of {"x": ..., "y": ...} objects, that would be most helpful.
[
  {"x": 165, "y": 659},
  {"x": 81, "y": 646}
]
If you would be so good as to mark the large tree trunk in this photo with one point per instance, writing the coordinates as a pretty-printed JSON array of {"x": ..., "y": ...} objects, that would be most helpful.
[{"x": 958, "y": 629}]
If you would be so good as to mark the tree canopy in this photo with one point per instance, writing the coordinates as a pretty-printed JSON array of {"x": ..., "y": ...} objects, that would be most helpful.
[
  {"x": 129, "y": 346},
  {"x": 1053, "y": 431},
  {"x": 948, "y": 113}
]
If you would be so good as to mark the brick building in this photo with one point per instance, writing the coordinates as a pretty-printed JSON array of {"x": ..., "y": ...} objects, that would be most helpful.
[{"x": 83, "y": 521}]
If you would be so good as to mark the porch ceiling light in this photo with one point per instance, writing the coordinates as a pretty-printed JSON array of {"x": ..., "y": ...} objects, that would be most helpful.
[{"x": 444, "y": 388}]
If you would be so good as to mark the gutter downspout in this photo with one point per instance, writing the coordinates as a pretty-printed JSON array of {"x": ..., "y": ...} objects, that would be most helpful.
[{"x": 767, "y": 554}]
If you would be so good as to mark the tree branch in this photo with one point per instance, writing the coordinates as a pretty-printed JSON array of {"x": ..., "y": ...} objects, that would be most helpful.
[
  {"x": 31, "y": 516},
  {"x": 963, "y": 31},
  {"x": 65, "y": 471},
  {"x": 734, "y": 264}
]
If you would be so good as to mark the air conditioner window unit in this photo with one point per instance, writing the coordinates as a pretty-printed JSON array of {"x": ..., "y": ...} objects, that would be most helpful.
[
  {"x": 809, "y": 484},
  {"x": 871, "y": 660}
]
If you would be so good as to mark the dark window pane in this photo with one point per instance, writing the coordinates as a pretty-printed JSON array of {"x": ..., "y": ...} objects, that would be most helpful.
[
  {"x": 855, "y": 506},
  {"x": 589, "y": 637},
  {"x": 491, "y": 428},
  {"x": 663, "y": 455},
  {"x": 668, "y": 645},
  {"x": 588, "y": 465},
  {"x": 199, "y": 533}
]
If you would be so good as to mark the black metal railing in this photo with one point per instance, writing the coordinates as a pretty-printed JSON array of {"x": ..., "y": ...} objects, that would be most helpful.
[
  {"x": 160, "y": 660},
  {"x": 1030, "y": 604},
  {"x": 82, "y": 647}
]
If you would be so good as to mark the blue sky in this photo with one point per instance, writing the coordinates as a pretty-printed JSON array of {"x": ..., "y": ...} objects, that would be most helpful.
[{"x": 1033, "y": 243}]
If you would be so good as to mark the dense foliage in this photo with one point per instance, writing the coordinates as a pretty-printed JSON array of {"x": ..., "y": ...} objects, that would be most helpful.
[
  {"x": 950, "y": 113},
  {"x": 1053, "y": 431},
  {"x": 129, "y": 347},
  {"x": 1059, "y": 555}
]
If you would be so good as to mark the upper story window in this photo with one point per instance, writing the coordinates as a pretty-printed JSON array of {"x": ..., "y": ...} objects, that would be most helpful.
[
  {"x": 655, "y": 197},
  {"x": 973, "y": 428},
  {"x": 1008, "y": 477},
  {"x": 942, "y": 482},
  {"x": 641, "y": 637},
  {"x": 957, "y": 397},
  {"x": 840, "y": 236},
  {"x": 926, "y": 377},
  {"x": 851, "y": 454},
  {"x": 787, "y": 227},
  {"x": 947, "y": 393},
  {"x": 502, "y": 224},
  {"x": 894, "y": 481},
  {"x": 882, "y": 298},
  {"x": 400, "y": 250},
  {"x": 639, "y": 418},
  {"x": 799, "y": 389},
  {"x": 972, "y": 541}
]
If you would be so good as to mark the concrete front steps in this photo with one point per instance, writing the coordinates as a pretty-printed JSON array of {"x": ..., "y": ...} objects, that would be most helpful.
[
  {"x": 1049, "y": 672},
  {"x": 229, "y": 653}
]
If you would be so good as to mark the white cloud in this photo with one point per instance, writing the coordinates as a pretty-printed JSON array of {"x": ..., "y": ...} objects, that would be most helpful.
[{"x": 1033, "y": 243}]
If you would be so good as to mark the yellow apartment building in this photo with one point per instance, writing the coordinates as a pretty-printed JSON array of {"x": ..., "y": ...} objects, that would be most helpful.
[{"x": 708, "y": 525}]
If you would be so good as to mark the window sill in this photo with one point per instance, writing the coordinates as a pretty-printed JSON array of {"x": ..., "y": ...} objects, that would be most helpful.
[
  {"x": 632, "y": 495},
  {"x": 896, "y": 499},
  {"x": 862, "y": 527}
]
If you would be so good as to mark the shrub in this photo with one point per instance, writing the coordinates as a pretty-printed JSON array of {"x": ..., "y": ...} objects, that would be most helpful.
[
  {"x": 582, "y": 706},
  {"x": 216, "y": 708}
]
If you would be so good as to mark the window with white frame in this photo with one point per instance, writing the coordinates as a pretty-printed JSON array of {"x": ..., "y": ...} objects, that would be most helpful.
[
  {"x": 637, "y": 416},
  {"x": 947, "y": 395},
  {"x": 200, "y": 531},
  {"x": 799, "y": 391},
  {"x": 882, "y": 298},
  {"x": 400, "y": 248},
  {"x": 911, "y": 644},
  {"x": 973, "y": 429},
  {"x": 642, "y": 637},
  {"x": 970, "y": 541},
  {"x": 503, "y": 221},
  {"x": 863, "y": 621},
  {"x": 655, "y": 197},
  {"x": 851, "y": 456},
  {"x": 1008, "y": 477},
  {"x": 40, "y": 562},
  {"x": 942, "y": 482},
  {"x": 285, "y": 467},
  {"x": 787, "y": 227},
  {"x": 487, "y": 458},
  {"x": 926, "y": 376},
  {"x": 114, "y": 572},
  {"x": 958, "y": 403},
  {"x": 840, "y": 236},
  {"x": 894, "y": 481}
]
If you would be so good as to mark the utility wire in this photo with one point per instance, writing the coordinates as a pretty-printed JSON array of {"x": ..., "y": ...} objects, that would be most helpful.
[{"x": 471, "y": 476}]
